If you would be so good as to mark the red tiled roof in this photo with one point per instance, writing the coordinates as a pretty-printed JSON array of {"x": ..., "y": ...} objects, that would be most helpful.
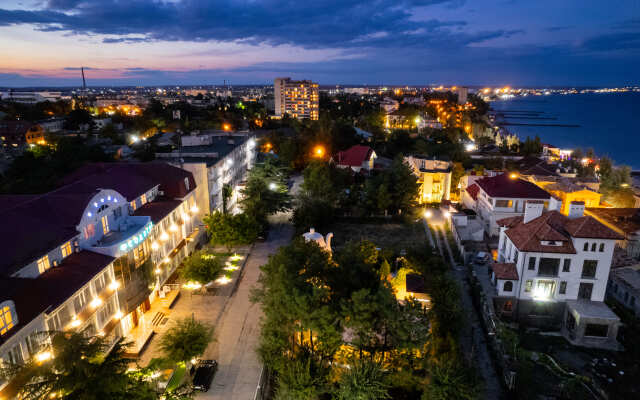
[
  {"x": 354, "y": 156},
  {"x": 506, "y": 271},
  {"x": 473, "y": 191},
  {"x": 626, "y": 220},
  {"x": 554, "y": 226},
  {"x": 505, "y": 186}
]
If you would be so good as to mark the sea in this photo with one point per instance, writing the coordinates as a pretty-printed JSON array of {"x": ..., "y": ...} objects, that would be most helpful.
[{"x": 609, "y": 123}]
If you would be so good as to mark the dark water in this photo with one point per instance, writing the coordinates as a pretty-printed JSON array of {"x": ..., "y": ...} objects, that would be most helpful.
[{"x": 608, "y": 122}]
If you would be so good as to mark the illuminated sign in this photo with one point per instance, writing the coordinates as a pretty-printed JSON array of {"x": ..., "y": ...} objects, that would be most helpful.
[{"x": 136, "y": 239}]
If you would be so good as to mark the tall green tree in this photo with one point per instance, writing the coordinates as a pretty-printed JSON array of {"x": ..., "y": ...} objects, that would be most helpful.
[
  {"x": 451, "y": 380},
  {"x": 231, "y": 230},
  {"x": 186, "y": 339},
  {"x": 266, "y": 192}
]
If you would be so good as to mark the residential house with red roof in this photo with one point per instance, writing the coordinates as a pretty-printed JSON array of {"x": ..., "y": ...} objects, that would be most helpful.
[
  {"x": 552, "y": 271},
  {"x": 91, "y": 255},
  {"x": 502, "y": 196},
  {"x": 357, "y": 158}
]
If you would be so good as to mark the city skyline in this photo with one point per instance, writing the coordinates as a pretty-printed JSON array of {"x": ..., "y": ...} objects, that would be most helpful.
[{"x": 415, "y": 42}]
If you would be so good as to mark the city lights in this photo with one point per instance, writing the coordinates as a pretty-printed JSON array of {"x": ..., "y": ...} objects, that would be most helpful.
[
  {"x": 44, "y": 356},
  {"x": 114, "y": 285},
  {"x": 95, "y": 303},
  {"x": 428, "y": 214},
  {"x": 318, "y": 151}
]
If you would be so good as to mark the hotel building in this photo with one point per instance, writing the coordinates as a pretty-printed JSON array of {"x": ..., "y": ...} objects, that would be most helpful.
[
  {"x": 93, "y": 255},
  {"x": 298, "y": 99}
]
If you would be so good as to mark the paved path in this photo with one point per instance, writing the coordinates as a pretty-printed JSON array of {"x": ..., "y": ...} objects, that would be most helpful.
[
  {"x": 472, "y": 338},
  {"x": 238, "y": 329}
]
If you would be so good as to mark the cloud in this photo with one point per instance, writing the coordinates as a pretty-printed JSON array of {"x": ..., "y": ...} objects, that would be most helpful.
[{"x": 317, "y": 24}]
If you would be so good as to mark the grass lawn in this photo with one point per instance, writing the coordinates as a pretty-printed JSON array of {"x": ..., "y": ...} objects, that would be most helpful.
[
  {"x": 389, "y": 235},
  {"x": 177, "y": 377}
]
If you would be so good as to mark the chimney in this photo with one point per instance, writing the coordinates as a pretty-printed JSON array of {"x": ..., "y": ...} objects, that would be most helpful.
[
  {"x": 555, "y": 204},
  {"x": 532, "y": 210},
  {"x": 576, "y": 209}
]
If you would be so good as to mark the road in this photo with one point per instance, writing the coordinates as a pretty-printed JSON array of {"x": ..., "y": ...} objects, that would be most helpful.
[{"x": 238, "y": 330}]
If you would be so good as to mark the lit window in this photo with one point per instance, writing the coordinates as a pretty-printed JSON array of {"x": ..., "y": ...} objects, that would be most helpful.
[
  {"x": 105, "y": 225},
  {"x": 66, "y": 249},
  {"x": 43, "y": 264},
  {"x": 528, "y": 285},
  {"x": 143, "y": 199},
  {"x": 89, "y": 231},
  {"x": 7, "y": 317},
  {"x": 186, "y": 183},
  {"x": 133, "y": 205}
]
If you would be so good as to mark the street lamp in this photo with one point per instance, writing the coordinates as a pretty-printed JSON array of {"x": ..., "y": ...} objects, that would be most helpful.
[
  {"x": 427, "y": 214},
  {"x": 318, "y": 151}
]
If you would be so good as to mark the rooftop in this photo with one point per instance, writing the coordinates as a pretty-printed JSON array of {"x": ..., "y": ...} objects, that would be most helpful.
[
  {"x": 630, "y": 276},
  {"x": 505, "y": 186},
  {"x": 556, "y": 227},
  {"x": 354, "y": 156},
  {"x": 592, "y": 309},
  {"x": 625, "y": 219},
  {"x": 506, "y": 271}
]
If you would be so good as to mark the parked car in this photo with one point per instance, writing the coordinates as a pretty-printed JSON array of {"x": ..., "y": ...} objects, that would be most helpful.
[
  {"x": 481, "y": 258},
  {"x": 204, "y": 372}
]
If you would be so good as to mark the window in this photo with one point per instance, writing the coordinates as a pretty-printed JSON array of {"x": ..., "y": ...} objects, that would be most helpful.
[
  {"x": 544, "y": 289},
  {"x": 7, "y": 317},
  {"x": 566, "y": 266},
  {"x": 589, "y": 268},
  {"x": 593, "y": 246},
  {"x": 66, "y": 249},
  {"x": 186, "y": 183},
  {"x": 532, "y": 263},
  {"x": 528, "y": 285},
  {"x": 33, "y": 343},
  {"x": 143, "y": 199},
  {"x": 598, "y": 330},
  {"x": 504, "y": 203},
  {"x": 563, "y": 287},
  {"x": 601, "y": 248},
  {"x": 584, "y": 292},
  {"x": 89, "y": 231},
  {"x": 508, "y": 306},
  {"x": 133, "y": 205},
  {"x": 548, "y": 266},
  {"x": 15, "y": 355},
  {"x": 43, "y": 264},
  {"x": 105, "y": 224},
  {"x": 508, "y": 286},
  {"x": 515, "y": 258},
  {"x": 586, "y": 246}
]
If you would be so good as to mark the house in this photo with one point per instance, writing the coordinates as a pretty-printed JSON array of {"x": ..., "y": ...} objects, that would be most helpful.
[
  {"x": 625, "y": 221},
  {"x": 434, "y": 178},
  {"x": 35, "y": 135},
  {"x": 13, "y": 133},
  {"x": 552, "y": 271},
  {"x": 468, "y": 233},
  {"x": 502, "y": 196},
  {"x": 389, "y": 105},
  {"x": 624, "y": 286},
  {"x": 357, "y": 158},
  {"x": 527, "y": 166},
  {"x": 93, "y": 255},
  {"x": 568, "y": 192}
]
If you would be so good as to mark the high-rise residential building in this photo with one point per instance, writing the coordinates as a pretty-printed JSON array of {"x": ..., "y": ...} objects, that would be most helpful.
[
  {"x": 462, "y": 94},
  {"x": 299, "y": 99}
]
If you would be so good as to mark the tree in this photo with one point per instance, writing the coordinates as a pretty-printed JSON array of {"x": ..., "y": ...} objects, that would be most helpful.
[
  {"x": 81, "y": 369},
  {"x": 202, "y": 267},
  {"x": 363, "y": 380},
  {"x": 231, "y": 230},
  {"x": 227, "y": 191},
  {"x": 317, "y": 181},
  {"x": 265, "y": 192},
  {"x": 299, "y": 380},
  {"x": 531, "y": 147},
  {"x": 384, "y": 199},
  {"x": 186, "y": 339}
]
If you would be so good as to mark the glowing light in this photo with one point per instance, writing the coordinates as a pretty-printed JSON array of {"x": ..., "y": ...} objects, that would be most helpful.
[
  {"x": 318, "y": 151},
  {"x": 134, "y": 139},
  {"x": 44, "y": 356},
  {"x": 194, "y": 209},
  {"x": 513, "y": 175},
  {"x": 236, "y": 257},
  {"x": 89, "y": 214},
  {"x": 95, "y": 303},
  {"x": 114, "y": 285},
  {"x": 75, "y": 323},
  {"x": 166, "y": 260},
  {"x": 470, "y": 147},
  {"x": 273, "y": 186},
  {"x": 427, "y": 214},
  {"x": 446, "y": 214},
  {"x": 193, "y": 360},
  {"x": 226, "y": 127},
  {"x": 173, "y": 228},
  {"x": 155, "y": 245},
  {"x": 164, "y": 237},
  {"x": 118, "y": 315},
  {"x": 155, "y": 375},
  {"x": 223, "y": 280},
  {"x": 158, "y": 271},
  {"x": 192, "y": 285}
]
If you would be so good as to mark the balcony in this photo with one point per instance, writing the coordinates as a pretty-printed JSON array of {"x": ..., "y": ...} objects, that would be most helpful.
[{"x": 128, "y": 234}]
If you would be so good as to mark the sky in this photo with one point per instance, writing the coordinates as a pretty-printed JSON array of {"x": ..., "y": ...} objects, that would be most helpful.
[{"x": 374, "y": 42}]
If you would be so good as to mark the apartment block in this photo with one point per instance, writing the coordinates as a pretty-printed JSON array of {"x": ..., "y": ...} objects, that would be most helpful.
[{"x": 298, "y": 99}]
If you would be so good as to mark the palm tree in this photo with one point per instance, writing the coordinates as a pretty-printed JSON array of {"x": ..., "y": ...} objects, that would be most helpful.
[
  {"x": 363, "y": 380},
  {"x": 78, "y": 367}
]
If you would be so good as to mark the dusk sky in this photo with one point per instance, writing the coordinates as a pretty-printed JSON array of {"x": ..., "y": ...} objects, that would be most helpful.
[{"x": 489, "y": 42}]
